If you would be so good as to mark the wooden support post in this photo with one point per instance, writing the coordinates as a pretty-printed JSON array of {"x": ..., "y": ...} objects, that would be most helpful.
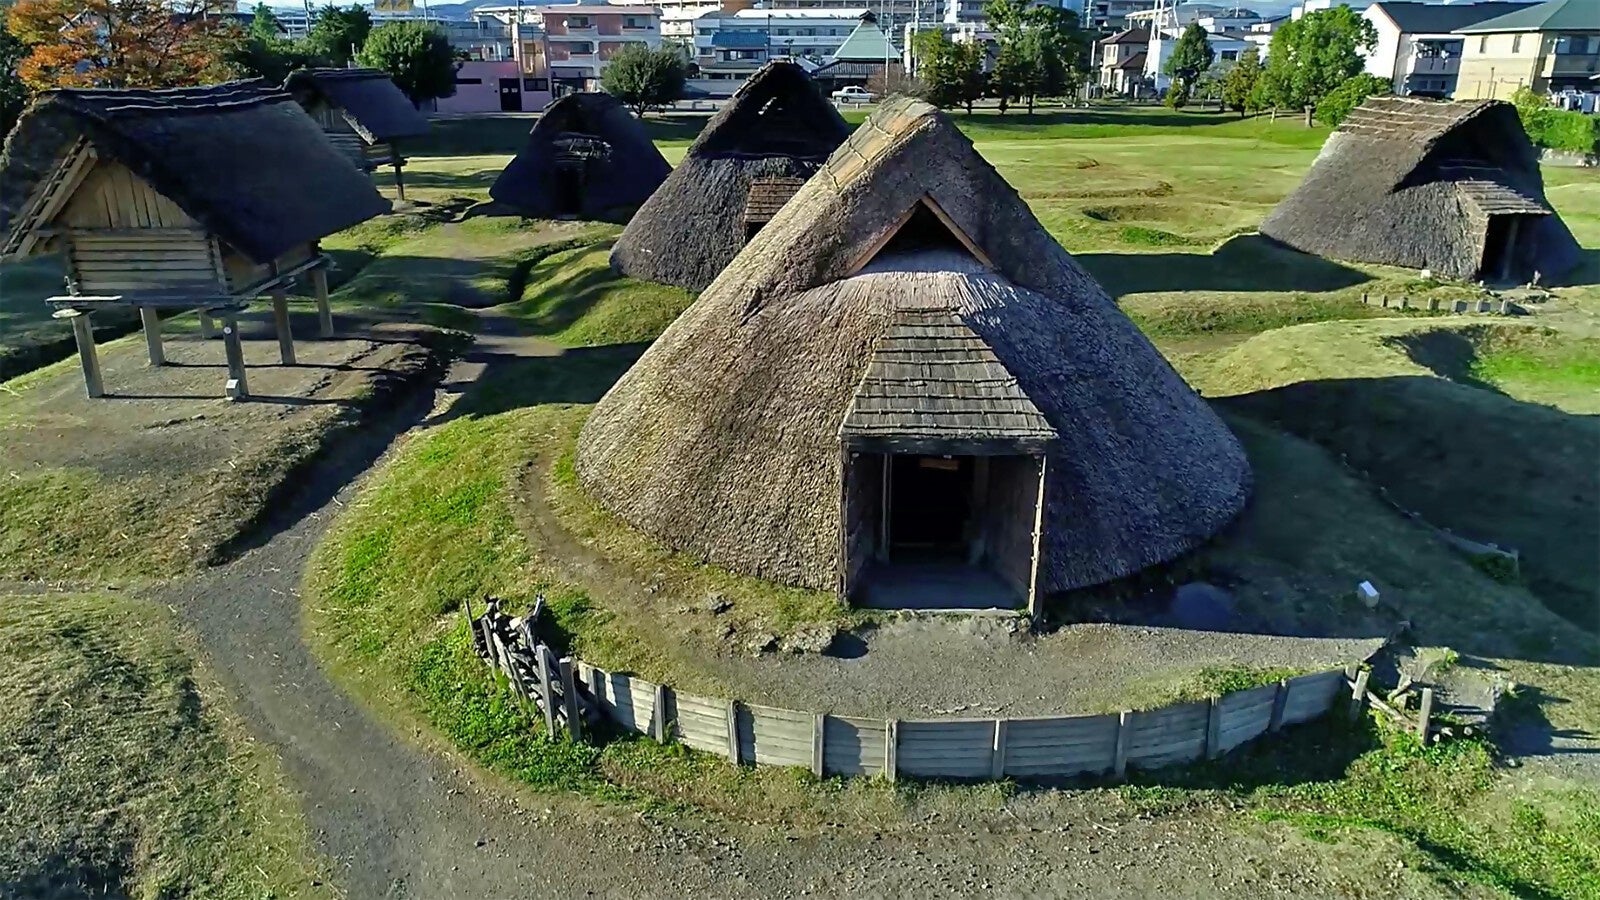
[
  {"x": 1214, "y": 728},
  {"x": 658, "y": 721},
  {"x": 399, "y": 179},
  {"x": 546, "y": 666},
  {"x": 997, "y": 752},
  {"x": 88, "y": 359},
  {"x": 280, "y": 321},
  {"x": 208, "y": 325},
  {"x": 569, "y": 699},
  {"x": 1424, "y": 713},
  {"x": 1119, "y": 759},
  {"x": 1358, "y": 694},
  {"x": 818, "y": 736},
  {"x": 1278, "y": 699},
  {"x": 238, "y": 383},
  {"x": 319, "y": 290},
  {"x": 733, "y": 731},
  {"x": 891, "y": 744},
  {"x": 152, "y": 335}
]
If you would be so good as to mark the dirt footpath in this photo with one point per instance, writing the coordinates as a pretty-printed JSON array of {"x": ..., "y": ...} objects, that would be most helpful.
[{"x": 402, "y": 817}]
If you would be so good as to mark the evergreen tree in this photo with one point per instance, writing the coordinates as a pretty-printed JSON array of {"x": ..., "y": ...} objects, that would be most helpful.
[{"x": 1191, "y": 57}]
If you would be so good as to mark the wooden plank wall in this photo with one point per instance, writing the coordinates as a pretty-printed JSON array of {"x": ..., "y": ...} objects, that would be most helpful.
[
  {"x": 1042, "y": 747},
  {"x": 149, "y": 259},
  {"x": 112, "y": 196}
]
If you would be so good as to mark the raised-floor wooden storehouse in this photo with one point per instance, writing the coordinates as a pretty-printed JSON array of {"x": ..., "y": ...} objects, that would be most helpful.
[
  {"x": 1453, "y": 187},
  {"x": 747, "y": 162},
  {"x": 364, "y": 113},
  {"x": 586, "y": 157},
  {"x": 905, "y": 391},
  {"x": 164, "y": 200}
]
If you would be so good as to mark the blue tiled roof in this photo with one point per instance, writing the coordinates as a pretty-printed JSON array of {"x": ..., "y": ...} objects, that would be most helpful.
[{"x": 739, "y": 40}]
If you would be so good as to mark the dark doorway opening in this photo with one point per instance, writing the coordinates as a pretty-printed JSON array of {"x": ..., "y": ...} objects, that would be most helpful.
[
  {"x": 1500, "y": 248},
  {"x": 924, "y": 230},
  {"x": 930, "y": 505},
  {"x": 511, "y": 95}
]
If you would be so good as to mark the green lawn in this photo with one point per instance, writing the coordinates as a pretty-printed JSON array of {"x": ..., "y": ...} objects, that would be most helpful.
[{"x": 123, "y": 773}]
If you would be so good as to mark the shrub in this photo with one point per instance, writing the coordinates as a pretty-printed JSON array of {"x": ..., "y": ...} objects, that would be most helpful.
[
  {"x": 1332, "y": 109},
  {"x": 1176, "y": 98},
  {"x": 1558, "y": 129}
]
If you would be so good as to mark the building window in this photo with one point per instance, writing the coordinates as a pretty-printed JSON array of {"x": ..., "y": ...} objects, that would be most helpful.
[
  {"x": 1516, "y": 43},
  {"x": 577, "y": 21},
  {"x": 579, "y": 47},
  {"x": 469, "y": 81},
  {"x": 536, "y": 84},
  {"x": 1572, "y": 45},
  {"x": 1483, "y": 44},
  {"x": 635, "y": 22},
  {"x": 1230, "y": 56}
]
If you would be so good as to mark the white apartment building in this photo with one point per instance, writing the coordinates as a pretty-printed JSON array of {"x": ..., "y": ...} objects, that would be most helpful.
[
  {"x": 744, "y": 40},
  {"x": 1416, "y": 51}
]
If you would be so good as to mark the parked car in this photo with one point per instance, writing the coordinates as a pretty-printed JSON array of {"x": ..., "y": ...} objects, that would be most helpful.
[{"x": 854, "y": 93}]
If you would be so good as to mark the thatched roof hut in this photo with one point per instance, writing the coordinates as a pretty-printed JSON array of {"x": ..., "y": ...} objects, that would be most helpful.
[
  {"x": 194, "y": 198},
  {"x": 1451, "y": 187},
  {"x": 363, "y": 112},
  {"x": 586, "y": 156},
  {"x": 904, "y": 388},
  {"x": 766, "y": 141}
]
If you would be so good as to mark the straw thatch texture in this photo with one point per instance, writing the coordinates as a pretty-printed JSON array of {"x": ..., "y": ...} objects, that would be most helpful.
[
  {"x": 776, "y": 127},
  {"x": 630, "y": 170},
  {"x": 367, "y": 98},
  {"x": 724, "y": 439},
  {"x": 1414, "y": 183},
  {"x": 242, "y": 158}
]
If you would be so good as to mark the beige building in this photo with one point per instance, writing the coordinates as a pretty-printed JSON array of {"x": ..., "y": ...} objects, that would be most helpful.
[
  {"x": 1547, "y": 47},
  {"x": 1122, "y": 58}
]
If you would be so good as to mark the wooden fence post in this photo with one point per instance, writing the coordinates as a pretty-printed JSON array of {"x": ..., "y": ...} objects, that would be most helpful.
[
  {"x": 997, "y": 752},
  {"x": 1278, "y": 700},
  {"x": 818, "y": 735},
  {"x": 546, "y": 666},
  {"x": 1424, "y": 713},
  {"x": 1358, "y": 694},
  {"x": 733, "y": 731},
  {"x": 1214, "y": 728},
  {"x": 569, "y": 699},
  {"x": 1119, "y": 760},
  {"x": 658, "y": 721},
  {"x": 891, "y": 741}
]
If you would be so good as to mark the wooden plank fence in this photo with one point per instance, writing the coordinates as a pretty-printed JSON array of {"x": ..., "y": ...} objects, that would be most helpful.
[{"x": 959, "y": 749}]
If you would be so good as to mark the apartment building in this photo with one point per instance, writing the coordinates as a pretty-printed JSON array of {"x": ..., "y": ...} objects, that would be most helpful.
[
  {"x": 732, "y": 45},
  {"x": 1550, "y": 46},
  {"x": 1417, "y": 50}
]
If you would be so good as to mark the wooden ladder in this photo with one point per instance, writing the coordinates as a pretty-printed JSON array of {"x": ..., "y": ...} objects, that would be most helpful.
[{"x": 62, "y": 178}]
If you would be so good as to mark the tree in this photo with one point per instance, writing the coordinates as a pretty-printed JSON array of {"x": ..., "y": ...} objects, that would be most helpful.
[
  {"x": 13, "y": 93},
  {"x": 119, "y": 43},
  {"x": 1191, "y": 57},
  {"x": 951, "y": 73},
  {"x": 642, "y": 78},
  {"x": 1239, "y": 83},
  {"x": 1312, "y": 55},
  {"x": 1337, "y": 103},
  {"x": 338, "y": 35},
  {"x": 1041, "y": 47},
  {"x": 416, "y": 55}
]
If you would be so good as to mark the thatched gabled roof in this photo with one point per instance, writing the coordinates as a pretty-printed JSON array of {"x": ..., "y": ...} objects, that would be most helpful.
[
  {"x": 367, "y": 98},
  {"x": 907, "y": 292},
  {"x": 1414, "y": 183},
  {"x": 776, "y": 127},
  {"x": 627, "y": 169},
  {"x": 241, "y": 158}
]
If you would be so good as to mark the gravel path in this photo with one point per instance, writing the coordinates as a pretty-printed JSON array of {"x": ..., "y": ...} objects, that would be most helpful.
[{"x": 401, "y": 817}]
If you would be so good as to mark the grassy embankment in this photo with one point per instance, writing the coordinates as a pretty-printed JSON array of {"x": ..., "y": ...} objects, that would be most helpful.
[{"x": 122, "y": 775}]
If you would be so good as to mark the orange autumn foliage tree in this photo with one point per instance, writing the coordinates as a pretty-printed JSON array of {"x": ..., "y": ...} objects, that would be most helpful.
[{"x": 120, "y": 43}]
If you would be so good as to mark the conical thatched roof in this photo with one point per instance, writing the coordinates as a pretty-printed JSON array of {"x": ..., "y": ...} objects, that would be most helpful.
[
  {"x": 620, "y": 166},
  {"x": 1414, "y": 183},
  {"x": 775, "y": 132},
  {"x": 367, "y": 98},
  {"x": 241, "y": 158},
  {"x": 907, "y": 296}
]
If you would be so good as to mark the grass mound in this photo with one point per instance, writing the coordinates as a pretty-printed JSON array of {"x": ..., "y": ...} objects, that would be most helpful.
[
  {"x": 575, "y": 298},
  {"x": 1443, "y": 431},
  {"x": 120, "y": 777}
]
